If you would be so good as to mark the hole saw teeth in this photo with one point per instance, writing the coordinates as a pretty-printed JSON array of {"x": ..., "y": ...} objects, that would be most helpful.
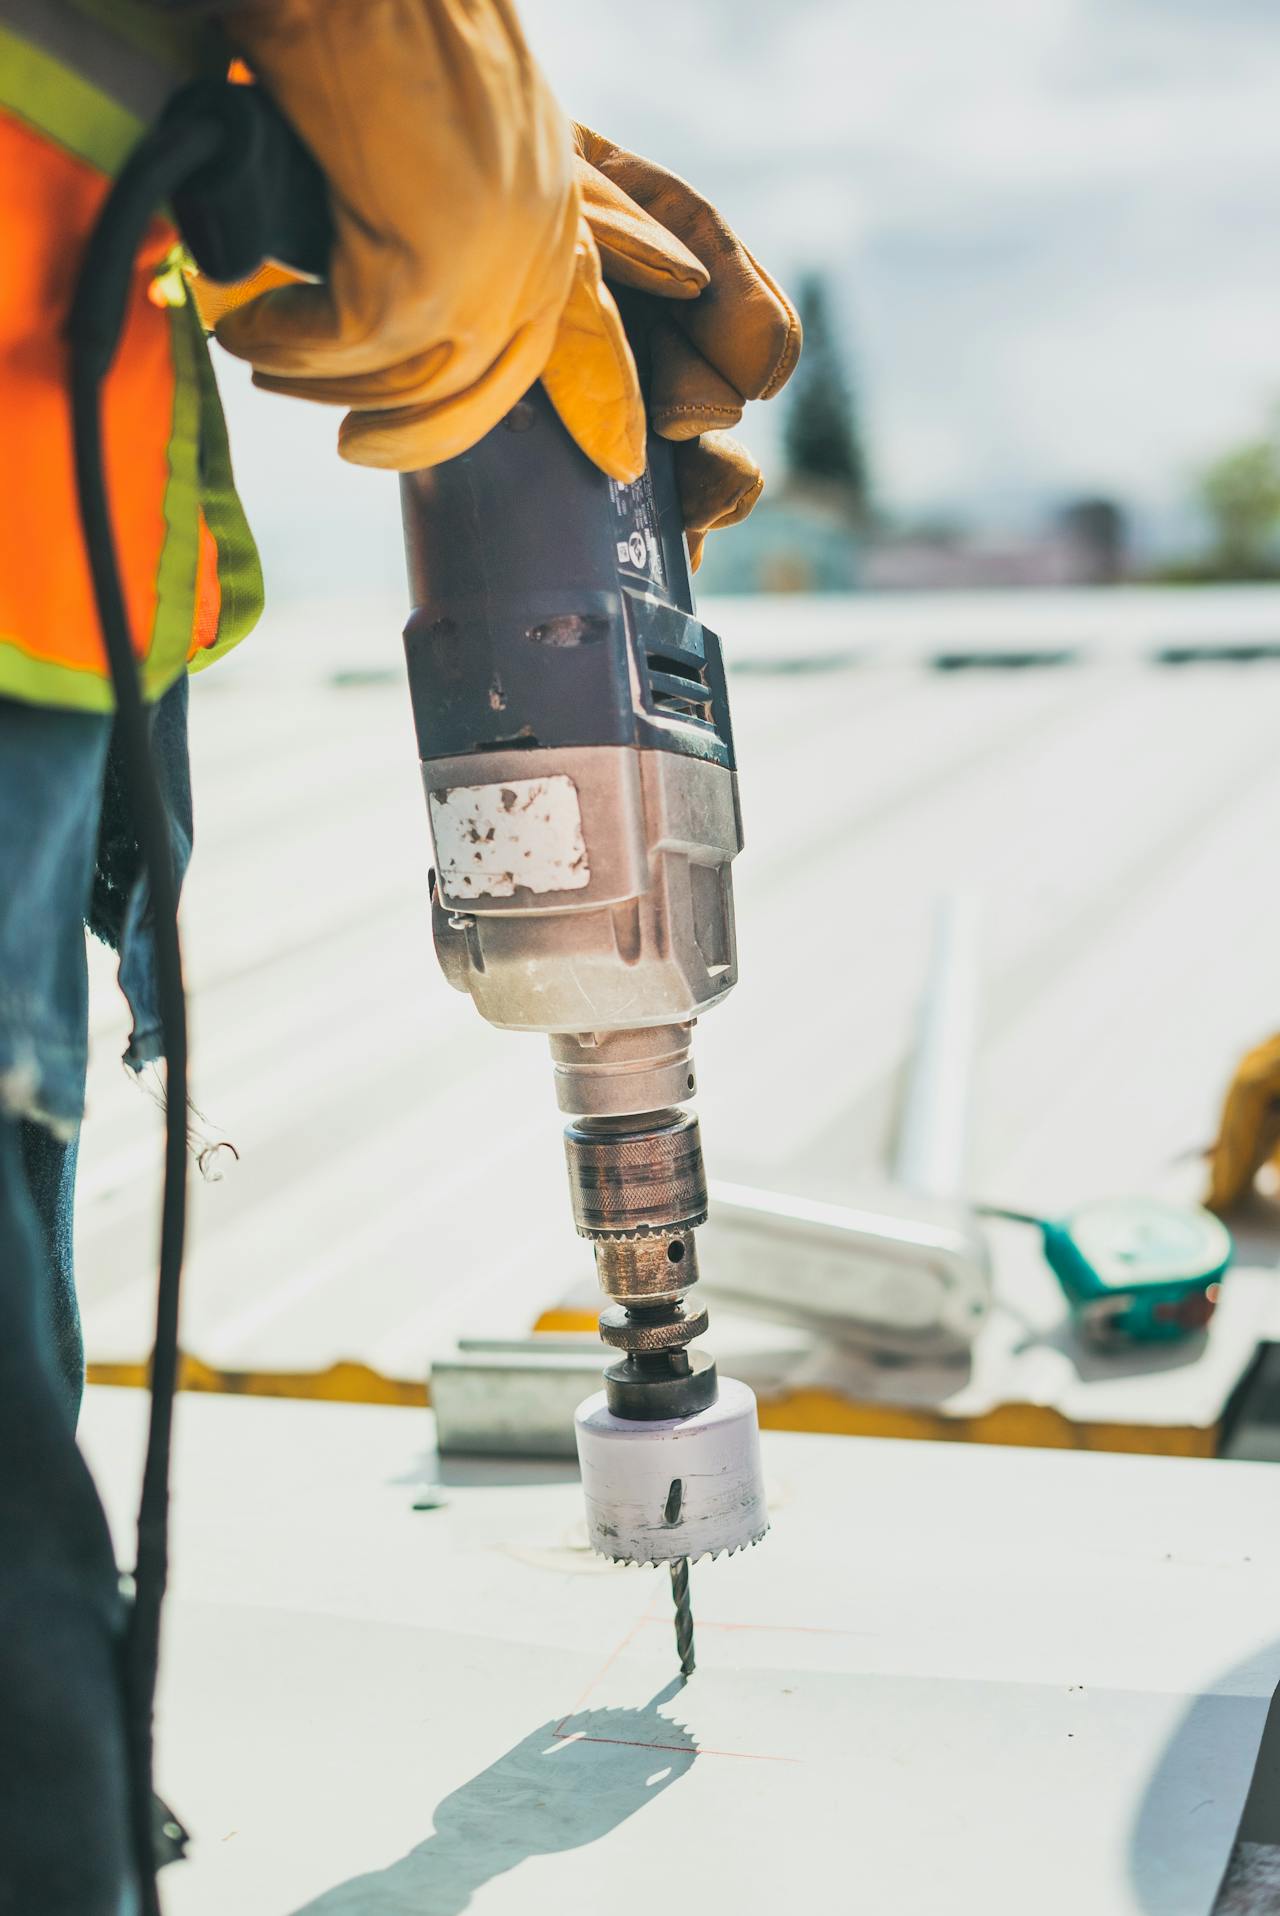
[{"x": 702, "y": 1556}]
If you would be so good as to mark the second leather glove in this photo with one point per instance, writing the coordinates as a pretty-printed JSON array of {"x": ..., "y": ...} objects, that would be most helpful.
[{"x": 722, "y": 331}]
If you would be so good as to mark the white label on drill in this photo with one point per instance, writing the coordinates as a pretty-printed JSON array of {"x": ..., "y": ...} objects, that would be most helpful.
[{"x": 490, "y": 839}]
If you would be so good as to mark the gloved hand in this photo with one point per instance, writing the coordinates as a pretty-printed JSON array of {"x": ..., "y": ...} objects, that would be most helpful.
[
  {"x": 461, "y": 266},
  {"x": 719, "y": 484},
  {"x": 726, "y": 331},
  {"x": 739, "y": 339},
  {"x": 1249, "y": 1134},
  {"x": 429, "y": 372}
]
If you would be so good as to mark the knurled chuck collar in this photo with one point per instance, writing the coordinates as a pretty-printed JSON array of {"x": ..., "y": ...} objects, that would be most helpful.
[
  {"x": 634, "y": 1175},
  {"x": 680, "y": 1487}
]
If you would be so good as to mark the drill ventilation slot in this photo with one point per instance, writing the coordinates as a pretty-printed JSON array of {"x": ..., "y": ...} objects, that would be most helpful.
[{"x": 679, "y": 685}]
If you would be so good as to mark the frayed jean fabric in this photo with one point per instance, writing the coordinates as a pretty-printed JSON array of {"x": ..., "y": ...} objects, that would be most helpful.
[
  {"x": 67, "y": 859},
  {"x": 52, "y": 774}
]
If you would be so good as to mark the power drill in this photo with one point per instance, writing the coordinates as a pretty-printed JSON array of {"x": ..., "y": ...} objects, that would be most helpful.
[{"x": 577, "y": 755}]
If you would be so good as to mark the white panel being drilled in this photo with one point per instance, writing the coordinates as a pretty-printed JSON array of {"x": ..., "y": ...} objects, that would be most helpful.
[
  {"x": 685, "y": 1487},
  {"x": 489, "y": 839}
]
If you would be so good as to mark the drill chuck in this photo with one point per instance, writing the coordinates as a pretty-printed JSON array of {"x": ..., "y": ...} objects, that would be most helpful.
[
  {"x": 639, "y": 1192},
  {"x": 636, "y": 1176},
  {"x": 647, "y": 1270}
]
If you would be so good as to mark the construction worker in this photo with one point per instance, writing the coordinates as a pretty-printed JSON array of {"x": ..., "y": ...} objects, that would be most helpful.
[{"x": 473, "y": 228}]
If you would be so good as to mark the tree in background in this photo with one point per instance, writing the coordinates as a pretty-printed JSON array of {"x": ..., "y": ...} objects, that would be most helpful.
[
  {"x": 822, "y": 435},
  {"x": 1240, "y": 494}
]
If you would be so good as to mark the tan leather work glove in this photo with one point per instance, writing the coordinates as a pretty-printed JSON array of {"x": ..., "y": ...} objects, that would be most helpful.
[
  {"x": 412, "y": 384},
  {"x": 725, "y": 334},
  {"x": 462, "y": 269},
  {"x": 1249, "y": 1134},
  {"x": 722, "y": 332},
  {"x": 738, "y": 340}
]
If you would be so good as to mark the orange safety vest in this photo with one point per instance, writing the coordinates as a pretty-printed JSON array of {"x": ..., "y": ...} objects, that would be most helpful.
[{"x": 80, "y": 81}]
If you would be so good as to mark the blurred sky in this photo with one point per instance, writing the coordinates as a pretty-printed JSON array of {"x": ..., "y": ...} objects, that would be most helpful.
[{"x": 1050, "y": 226}]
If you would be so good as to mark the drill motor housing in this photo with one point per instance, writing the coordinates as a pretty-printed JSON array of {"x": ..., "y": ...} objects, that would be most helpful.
[{"x": 577, "y": 753}]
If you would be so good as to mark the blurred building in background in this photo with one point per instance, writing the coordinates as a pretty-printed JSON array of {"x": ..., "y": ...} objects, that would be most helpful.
[
  {"x": 1086, "y": 543},
  {"x": 1048, "y": 226},
  {"x": 820, "y": 530}
]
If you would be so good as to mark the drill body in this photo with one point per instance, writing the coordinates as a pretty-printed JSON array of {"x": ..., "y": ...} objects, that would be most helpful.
[
  {"x": 577, "y": 756},
  {"x": 574, "y": 732}
]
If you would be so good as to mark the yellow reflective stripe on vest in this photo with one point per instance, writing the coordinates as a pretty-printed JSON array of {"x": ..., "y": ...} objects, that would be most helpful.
[
  {"x": 139, "y": 79},
  {"x": 166, "y": 658},
  {"x": 239, "y": 567},
  {"x": 199, "y": 465},
  {"x": 53, "y": 99}
]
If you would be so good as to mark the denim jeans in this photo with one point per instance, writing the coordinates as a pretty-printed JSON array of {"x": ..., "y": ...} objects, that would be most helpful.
[{"x": 67, "y": 859}]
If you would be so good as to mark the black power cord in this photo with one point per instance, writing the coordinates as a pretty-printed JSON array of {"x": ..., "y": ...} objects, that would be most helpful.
[{"x": 244, "y": 189}]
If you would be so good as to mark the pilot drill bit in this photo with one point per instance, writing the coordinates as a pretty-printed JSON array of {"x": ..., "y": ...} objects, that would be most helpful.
[{"x": 684, "y": 1614}]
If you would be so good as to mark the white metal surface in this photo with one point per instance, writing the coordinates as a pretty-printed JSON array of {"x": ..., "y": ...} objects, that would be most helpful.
[
  {"x": 685, "y": 1487},
  {"x": 932, "y": 1154},
  {"x": 954, "y": 1678},
  {"x": 1116, "y": 820},
  {"x": 513, "y": 1397},
  {"x": 901, "y": 1281}
]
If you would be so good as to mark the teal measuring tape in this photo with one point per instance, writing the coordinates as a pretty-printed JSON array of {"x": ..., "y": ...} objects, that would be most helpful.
[{"x": 1134, "y": 1270}]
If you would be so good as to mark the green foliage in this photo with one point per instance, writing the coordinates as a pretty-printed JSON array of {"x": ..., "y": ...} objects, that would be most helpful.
[
  {"x": 1240, "y": 493},
  {"x": 822, "y": 435}
]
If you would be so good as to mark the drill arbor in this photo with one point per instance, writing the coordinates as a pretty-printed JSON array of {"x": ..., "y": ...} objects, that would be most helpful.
[
  {"x": 577, "y": 754},
  {"x": 669, "y": 1451}
]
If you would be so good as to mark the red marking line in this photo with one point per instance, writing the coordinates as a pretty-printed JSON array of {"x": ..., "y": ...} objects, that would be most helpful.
[
  {"x": 606, "y": 1666},
  {"x": 562, "y": 1735}
]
